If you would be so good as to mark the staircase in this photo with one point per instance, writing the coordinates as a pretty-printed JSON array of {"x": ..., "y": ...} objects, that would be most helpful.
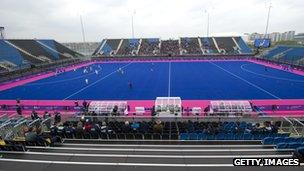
[
  {"x": 138, "y": 48},
  {"x": 181, "y": 50},
  {"x": 44, "y": 45},
  {"x": 160, "y": 44},
  {"x": 86, "y": 154},
  {"x": 119, "y": 45},
  {"x": 237, "y": 45},
  {"x": 215, "y": 43},
  {"x": 200, "y": 44},
  {"x": 100, "y": 49}
]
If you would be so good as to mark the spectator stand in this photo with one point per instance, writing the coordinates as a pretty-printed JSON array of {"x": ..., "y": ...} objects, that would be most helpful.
[{"x": 168, "y": 107}]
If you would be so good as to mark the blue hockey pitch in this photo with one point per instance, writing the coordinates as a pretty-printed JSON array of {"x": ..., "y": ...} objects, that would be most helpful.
[{"x": 188, "y": 80}]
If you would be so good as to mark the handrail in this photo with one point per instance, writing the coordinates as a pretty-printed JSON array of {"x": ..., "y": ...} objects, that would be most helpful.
[
  {"x": 295, "y": 119},
  {"x": 4, "y": 124},
  {"x": 288, "y": 120},
  {"x": 33, "y": 122}
]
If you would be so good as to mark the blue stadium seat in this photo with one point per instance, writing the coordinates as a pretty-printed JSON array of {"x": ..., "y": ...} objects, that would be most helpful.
[
  {"x": 184, "y": 136},
  {"x": 193, "y": 136},
  {"x": 284, "y": 134},
  {"x": 247, "y": 136},
  {"x": 300, "y": 151},
  {"x": 210, "y": 137},
  {"x": 281, "y": 145},
  {"x": 294, "y": 145},
  {"x": 239, "y": 136},
  {"x": 277, "y": 140},
  {"x": 220, "y": 136},
  {"x": 202, "y": 136},
  {"x": 268, "y": 140},
  {"x": 289, "y": 139},
  {"x": 300, "y": 140},
  {"x": 230, "y": 136}
]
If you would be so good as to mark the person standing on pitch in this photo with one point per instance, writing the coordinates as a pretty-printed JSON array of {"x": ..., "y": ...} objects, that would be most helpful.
[{"x": 130, "y": 85}]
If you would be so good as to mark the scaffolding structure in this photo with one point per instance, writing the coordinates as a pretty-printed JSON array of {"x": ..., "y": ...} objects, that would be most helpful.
[
  {"x": 109, "y": 107},
  {"x": 168, "y": 106},
  {"x": 230, "y": 107}
]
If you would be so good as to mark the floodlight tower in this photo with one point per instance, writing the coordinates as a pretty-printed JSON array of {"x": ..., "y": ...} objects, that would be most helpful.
[
  {"x": 208, "y": 24},
  {"x": 83, "y": 35},
  {"x": 267, "y": 23},
  {"x": 2, "y": 36},
  {"x": 132, "y": 23},
  {"x": 82, "y": 29}
]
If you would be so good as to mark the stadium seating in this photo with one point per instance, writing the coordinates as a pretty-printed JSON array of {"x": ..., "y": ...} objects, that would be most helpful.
[
  {"x": 109, "y": 46},
  {"x": 226, "y": 45},
  {"x": 9, "y": 53},
  {"x": 170, "y": 47},
  {"x": 170, "y": 130},
  {"x": 290, "y": 54},
  {"x": 33, "y": 48},
  {"x": 243, "y": 46},
  {"x": 128, "y": 47},
  {"x": 49, "y": 46},
  {"x": 284, "y": 142},
  {"x": 208, "y": 45},
  {"x": 66, "y": 51},
  {"x": 186, "y": 46},
  {"x": 190, "y": 46},
  {"x": 149, "y": 46}
]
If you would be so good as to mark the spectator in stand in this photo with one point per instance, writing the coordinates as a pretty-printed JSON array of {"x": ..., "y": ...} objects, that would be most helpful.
[
  {"x": 104, "y": 127},
  {"x": 4, "y": 107},
  {"x": 94, "y": 117},
  {"x": 76, "y": 103},
  {"x": 54, "y": 130},
  {"x": 79, "y": 129},
  {"x": 256, "y": 129},
  {"x": 19, "y": 110},
  {"x": 57, "y": 117},
  {"x": 46, "y": 115},
  {"x": 115, "y": 110},
  {"x": 85, "y": 106},
  {"x": 34, "y": 115},
  {"x": 87, "y": 126},
  {"x": 31, "y": 135},
  {"x": 158, "y": 127},
  {"x": 135, "y": 126},
  {"x": 18, "y": 101},
  {"x": 126, "y": 128}
]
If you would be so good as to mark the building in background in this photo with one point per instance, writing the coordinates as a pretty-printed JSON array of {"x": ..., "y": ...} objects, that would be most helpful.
[
  {"x": 2, "y": 36},
  {"x": 275, "y": 36},
  {"x": 299, "y": 38},
  {"x": 86, "y": 48}
]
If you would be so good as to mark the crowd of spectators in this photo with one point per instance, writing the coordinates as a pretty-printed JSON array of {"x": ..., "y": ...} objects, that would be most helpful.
[
  {"x": 86, "y": 128},
  {"x": 170, "y": 47},
  {"x": 149, "y": 47},
  {"x": 190, "y": 46}
]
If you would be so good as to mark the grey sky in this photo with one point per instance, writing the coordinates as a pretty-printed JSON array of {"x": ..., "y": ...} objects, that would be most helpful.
[{"x": 59, "y": 19}]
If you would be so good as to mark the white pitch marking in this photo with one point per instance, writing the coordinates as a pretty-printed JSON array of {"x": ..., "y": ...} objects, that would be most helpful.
[{"x": 246, "y": 81}]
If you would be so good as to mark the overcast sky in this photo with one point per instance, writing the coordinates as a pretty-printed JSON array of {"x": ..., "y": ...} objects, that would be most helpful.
[{"x": 60, "y": 19}]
